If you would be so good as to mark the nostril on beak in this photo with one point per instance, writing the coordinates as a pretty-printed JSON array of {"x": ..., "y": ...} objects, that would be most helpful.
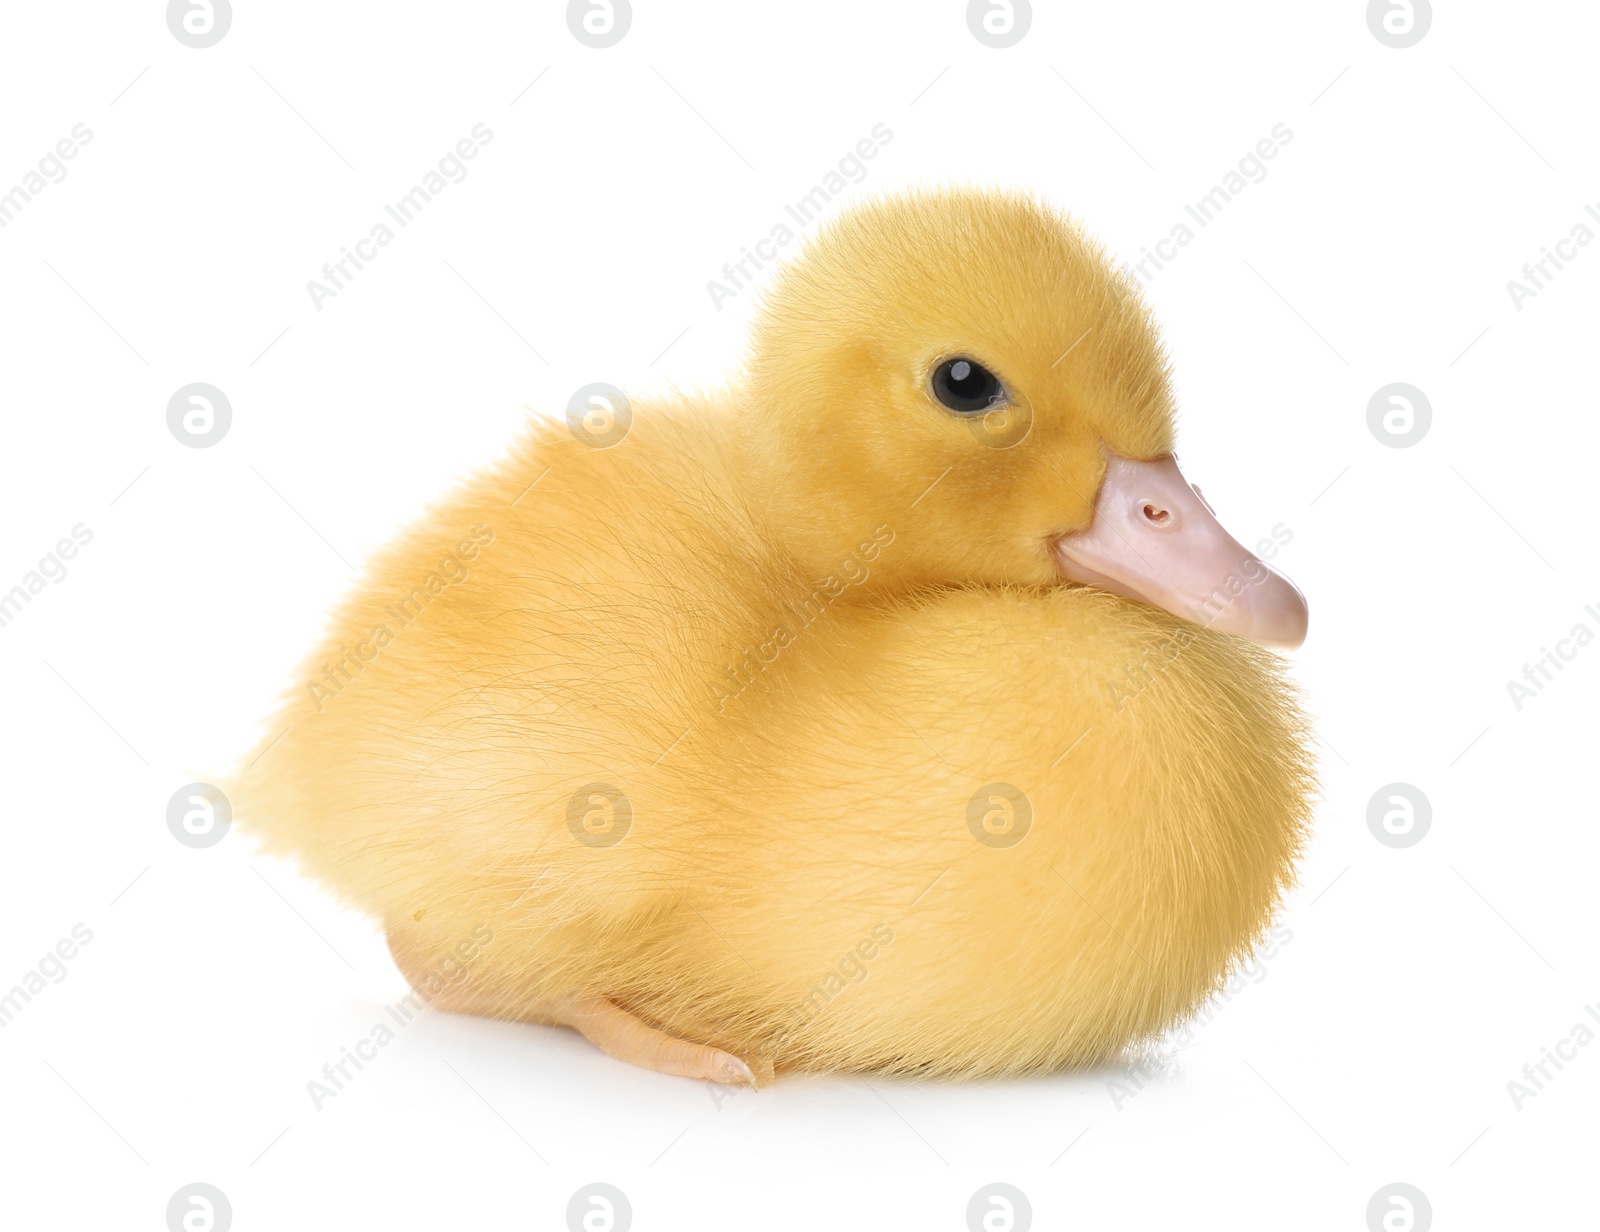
[{"x": 1155, "y": 514}]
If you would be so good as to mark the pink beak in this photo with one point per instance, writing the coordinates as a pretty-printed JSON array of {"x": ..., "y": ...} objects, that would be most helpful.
[{"x": 1155, "y": 539}]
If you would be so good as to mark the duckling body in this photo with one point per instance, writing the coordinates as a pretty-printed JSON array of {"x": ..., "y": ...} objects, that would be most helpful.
[{"x": 800, "y": 750}]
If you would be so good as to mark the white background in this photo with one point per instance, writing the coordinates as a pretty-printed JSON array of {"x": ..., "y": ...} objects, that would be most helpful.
[{"x": 1378, "y": 1042}]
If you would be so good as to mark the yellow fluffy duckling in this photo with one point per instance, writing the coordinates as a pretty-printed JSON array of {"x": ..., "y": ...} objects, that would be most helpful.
[{"x": 897, "y": 709}]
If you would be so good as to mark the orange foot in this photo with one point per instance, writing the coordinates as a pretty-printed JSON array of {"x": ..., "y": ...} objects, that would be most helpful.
[
  {"x": 601, "y": 1021},
  {"x": 620, "y": 1034}
]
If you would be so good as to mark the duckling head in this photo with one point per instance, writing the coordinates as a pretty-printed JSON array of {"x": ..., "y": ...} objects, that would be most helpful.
[{"x": 967, "y": 372}]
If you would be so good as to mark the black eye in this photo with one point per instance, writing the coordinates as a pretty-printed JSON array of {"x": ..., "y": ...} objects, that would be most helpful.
[{"x": 966, "y": 386}]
